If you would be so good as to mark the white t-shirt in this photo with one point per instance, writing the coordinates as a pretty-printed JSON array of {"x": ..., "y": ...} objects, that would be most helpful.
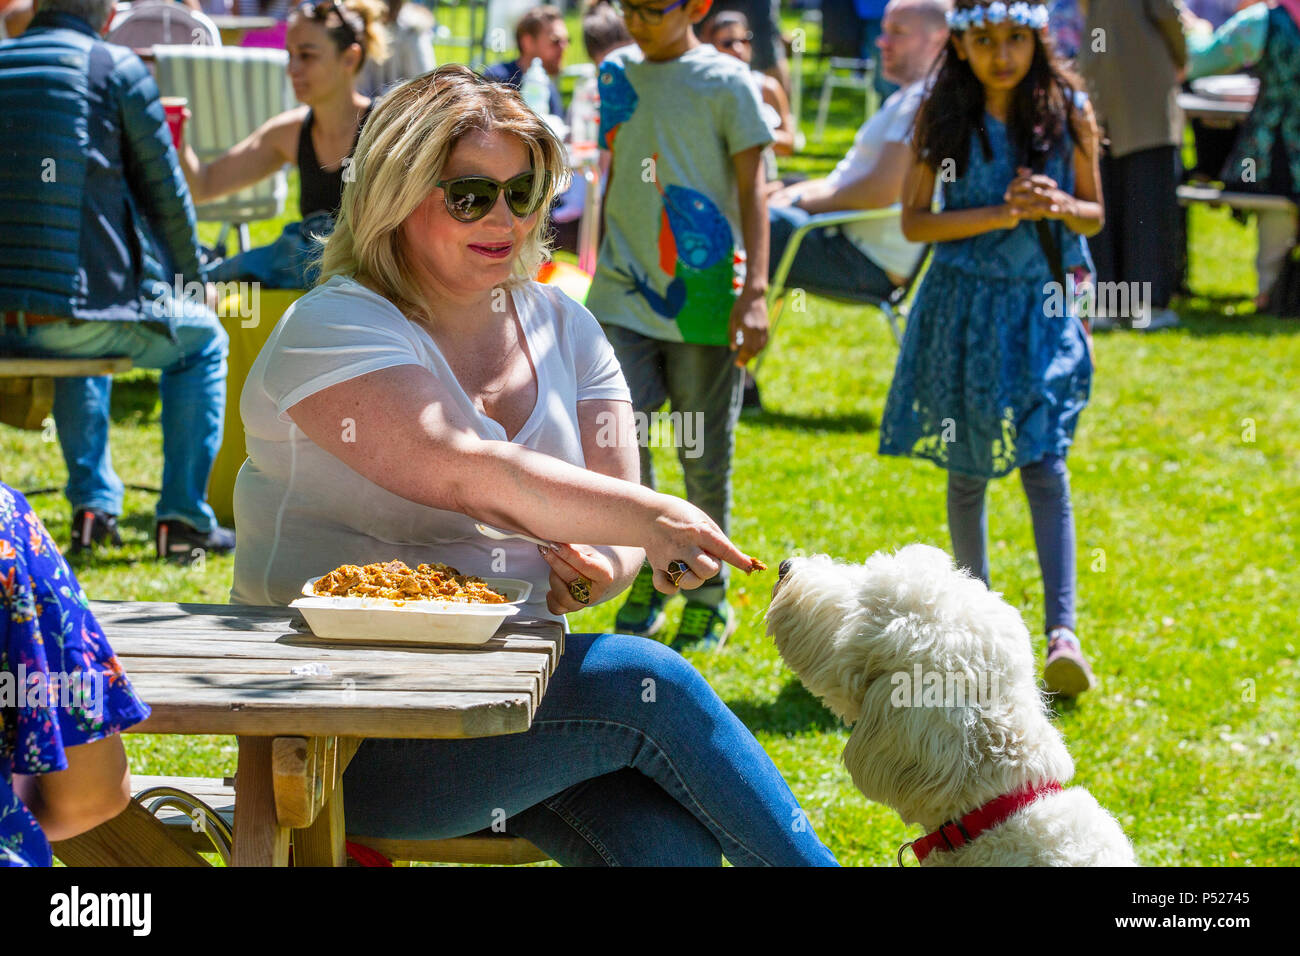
[
  {"x": 301, "y": 512},
  {"x": 881, "y": 240}
]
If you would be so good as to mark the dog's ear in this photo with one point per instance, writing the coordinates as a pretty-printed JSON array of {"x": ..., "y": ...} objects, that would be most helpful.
[{"x": 919, "y": 760}]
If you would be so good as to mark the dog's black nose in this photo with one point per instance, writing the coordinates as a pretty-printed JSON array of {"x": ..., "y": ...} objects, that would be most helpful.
[{"x": 783, "y": 569}]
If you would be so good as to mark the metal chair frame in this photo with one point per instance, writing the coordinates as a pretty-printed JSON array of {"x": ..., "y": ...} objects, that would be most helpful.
[{"x": 894, "y": 306}]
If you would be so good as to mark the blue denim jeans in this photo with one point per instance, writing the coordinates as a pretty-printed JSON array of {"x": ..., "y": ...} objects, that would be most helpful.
[
  {"x": 632, "y": 759},
  {"x": 193, "y": 388},
  {"x": 827, "y": 263},
  {"x": 701, "y": 381},
  {"x": 1047, "y": 487}
]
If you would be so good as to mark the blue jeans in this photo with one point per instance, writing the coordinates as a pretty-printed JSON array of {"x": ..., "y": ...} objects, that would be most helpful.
[
  {"x": 193, "y": 388},
  {"x": 1047, "y": 486},
  {"x": 701, "y": 381},
  {"x": 631, "y": 759},
  {"x": 827, "y": 262}
]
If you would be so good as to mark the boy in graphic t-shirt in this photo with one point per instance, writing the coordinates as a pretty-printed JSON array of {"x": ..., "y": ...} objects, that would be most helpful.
[{"x": 679, "y": 303}]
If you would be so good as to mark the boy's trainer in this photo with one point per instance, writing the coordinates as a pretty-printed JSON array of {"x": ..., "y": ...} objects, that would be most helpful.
[
  {"x": 643, "y": 611},
  {"x": 704, "y": 625}
]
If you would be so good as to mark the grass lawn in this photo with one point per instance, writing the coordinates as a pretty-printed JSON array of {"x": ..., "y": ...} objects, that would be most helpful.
[{"x": 1184, "y": 477}]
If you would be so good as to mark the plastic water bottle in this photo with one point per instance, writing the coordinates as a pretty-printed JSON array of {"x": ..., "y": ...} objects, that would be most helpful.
[
  {"x": 584, "y": 117},
  {"x": 536, "y": 88}
]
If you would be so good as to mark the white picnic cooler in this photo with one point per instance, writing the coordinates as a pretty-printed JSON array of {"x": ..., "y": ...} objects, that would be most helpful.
[{"x": 231, "y": 92}]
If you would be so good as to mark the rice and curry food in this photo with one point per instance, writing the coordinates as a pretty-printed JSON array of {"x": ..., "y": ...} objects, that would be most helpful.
[{"x": 394, "y": 581}]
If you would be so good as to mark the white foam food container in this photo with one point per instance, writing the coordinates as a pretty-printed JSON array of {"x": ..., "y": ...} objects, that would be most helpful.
[{"x": 365, "y": 620}]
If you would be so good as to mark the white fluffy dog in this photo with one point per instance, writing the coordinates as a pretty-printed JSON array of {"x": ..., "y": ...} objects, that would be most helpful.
[{"x": 863, "y": 637}]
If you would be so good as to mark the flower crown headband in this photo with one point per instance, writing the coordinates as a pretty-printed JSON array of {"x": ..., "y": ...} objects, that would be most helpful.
[{"x": 989, "y": 14}]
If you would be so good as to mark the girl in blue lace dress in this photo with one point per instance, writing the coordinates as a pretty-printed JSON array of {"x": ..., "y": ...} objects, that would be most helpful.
[{"x": 994, "y": 367}]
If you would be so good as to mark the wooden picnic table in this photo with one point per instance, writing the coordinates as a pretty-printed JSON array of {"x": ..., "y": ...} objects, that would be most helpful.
[
  {"x": 299, "y": 706},
  {"x": 1214, "y": 111}
]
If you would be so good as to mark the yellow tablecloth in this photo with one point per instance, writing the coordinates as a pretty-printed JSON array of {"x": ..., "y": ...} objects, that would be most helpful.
[{"x": 249, "y": 325}]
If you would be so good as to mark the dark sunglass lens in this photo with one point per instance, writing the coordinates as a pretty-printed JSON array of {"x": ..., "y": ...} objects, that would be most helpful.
[
  {"x": 470, "y": 199},
  {"x": 519, "y": 194}
]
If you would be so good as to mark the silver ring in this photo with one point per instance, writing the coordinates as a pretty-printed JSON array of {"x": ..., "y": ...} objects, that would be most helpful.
[
  {"x": 580, "y": 590},
  {"x": 676, "y": 570}
]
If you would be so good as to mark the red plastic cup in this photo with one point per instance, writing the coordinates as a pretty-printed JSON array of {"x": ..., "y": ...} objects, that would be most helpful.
[{"x": 177, "y": 110}]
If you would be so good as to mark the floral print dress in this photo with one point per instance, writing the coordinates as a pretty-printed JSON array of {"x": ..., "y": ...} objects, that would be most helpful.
[{"x": 60, "y": 684}]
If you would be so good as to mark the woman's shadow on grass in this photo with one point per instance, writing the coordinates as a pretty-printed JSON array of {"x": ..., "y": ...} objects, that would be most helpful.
[{"x": 794, "y": 711}]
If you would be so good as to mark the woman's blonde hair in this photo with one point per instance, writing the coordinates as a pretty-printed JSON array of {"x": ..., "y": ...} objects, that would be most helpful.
[
  {"x": 362, "y": 23},
  {"x": 401, "y": 154}
]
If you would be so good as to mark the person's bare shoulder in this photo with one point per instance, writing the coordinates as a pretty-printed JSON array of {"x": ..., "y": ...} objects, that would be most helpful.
[{"x": 282, "y": 131}]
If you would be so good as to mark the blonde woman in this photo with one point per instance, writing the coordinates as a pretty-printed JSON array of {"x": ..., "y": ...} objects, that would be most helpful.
[
  {"x": 427, "y": 384},
  {"x": 329, "y": 43}
]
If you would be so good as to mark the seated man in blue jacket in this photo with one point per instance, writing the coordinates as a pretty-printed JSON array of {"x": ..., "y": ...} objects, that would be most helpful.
[{"x": 97, "y": 257}]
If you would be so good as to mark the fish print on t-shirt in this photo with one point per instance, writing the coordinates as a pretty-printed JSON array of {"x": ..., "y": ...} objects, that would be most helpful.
[{"x": 697, "y": 254}]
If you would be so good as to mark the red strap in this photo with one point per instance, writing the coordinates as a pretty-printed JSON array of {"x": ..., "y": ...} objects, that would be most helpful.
[
  {"x": 954, "y": 835},
  {"x": 366, "y": 856}
]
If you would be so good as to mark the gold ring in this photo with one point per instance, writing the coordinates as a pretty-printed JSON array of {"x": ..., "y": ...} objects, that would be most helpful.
[
  {"x": 580, "y": 590},
  {"x": 676, "y": 570}
]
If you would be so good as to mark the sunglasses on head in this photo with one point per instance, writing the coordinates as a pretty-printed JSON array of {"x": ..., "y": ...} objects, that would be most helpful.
[
  {"x": 313, "y": 10},
  {"x": 470, "y": 198}
]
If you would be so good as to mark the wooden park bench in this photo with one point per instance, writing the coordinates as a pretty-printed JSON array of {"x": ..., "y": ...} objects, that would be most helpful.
[
  {"x": 27, "y": 385},
  {"x": 1248, "y": 202},
  {"x": 187, "y": 821},
  {"x": 1190, "y": 195}
]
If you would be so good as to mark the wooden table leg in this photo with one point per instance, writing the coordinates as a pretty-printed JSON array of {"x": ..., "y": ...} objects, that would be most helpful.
[
  {"x": 259, "y": 838},
  {"x": 323, "y": 842}
]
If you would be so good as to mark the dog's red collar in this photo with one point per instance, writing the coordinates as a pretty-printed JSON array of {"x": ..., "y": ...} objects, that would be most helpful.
[{"x": 957, "y": 833}]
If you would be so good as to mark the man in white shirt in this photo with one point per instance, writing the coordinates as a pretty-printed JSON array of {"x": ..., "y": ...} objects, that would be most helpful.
[{"x": 870, "y": 257}]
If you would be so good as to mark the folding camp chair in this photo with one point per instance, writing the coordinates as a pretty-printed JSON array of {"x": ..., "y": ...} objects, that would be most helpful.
[
  {"x": 894, "y": 306},
  {"x": 147, "y": 23},
  {"x": 231, "y": 92}
]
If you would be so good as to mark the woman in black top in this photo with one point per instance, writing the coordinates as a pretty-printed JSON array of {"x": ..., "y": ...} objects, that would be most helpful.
[{"x": 328, "y": 42}]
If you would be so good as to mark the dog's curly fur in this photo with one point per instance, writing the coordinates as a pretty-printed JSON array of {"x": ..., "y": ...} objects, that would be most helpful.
[{"x": 847, "y": 629}]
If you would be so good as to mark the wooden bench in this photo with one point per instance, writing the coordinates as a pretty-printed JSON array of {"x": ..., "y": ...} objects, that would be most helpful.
[
  {"x": 186, "y": 827},
  {"x": 1189, "y": 195},
  {"x": 1250, "y": 202},
  {"x": 27, "y": 385}
]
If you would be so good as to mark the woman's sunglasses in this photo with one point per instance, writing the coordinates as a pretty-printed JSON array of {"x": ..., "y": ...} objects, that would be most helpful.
[
  {"x": 320, "y": 12},
  {"x": 470, "y": 198}
]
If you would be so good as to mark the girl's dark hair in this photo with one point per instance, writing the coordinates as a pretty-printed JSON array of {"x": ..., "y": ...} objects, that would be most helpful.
[
  {"x": 348, "y": 22},
  {"x": 1042, "y": 107}
]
